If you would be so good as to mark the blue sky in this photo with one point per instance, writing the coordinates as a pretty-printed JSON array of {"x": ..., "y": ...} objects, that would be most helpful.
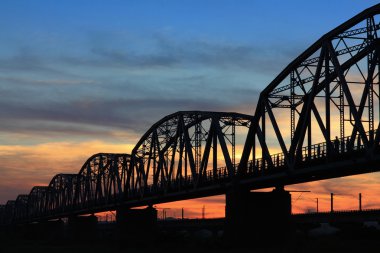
[
  {"x": 100, "y": 73},
  {"x": 66, "y": 66}
]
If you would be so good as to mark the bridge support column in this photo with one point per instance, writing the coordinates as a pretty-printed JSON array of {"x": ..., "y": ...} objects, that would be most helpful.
[
  {"x": 137, "y": 224},
  {"x": 258, "y": 217},
  {"x": 82, "y": 227}
]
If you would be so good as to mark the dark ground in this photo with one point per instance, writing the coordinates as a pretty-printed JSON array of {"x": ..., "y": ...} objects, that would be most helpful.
[
  {"x": 309, "y": 246},
  {"x": 336, "y": 243},
  {"x": 350, "y": 239}
]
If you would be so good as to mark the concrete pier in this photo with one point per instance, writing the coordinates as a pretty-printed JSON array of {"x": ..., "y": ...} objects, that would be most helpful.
[
  {"x": 258, "y": 217},
  {"x": 137, "y": 223},
  {"x": 82, "y": 227}
]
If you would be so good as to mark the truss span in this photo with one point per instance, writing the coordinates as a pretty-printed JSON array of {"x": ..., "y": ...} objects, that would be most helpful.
[
  {"x": 181, "y": 152},
  {"x": 100, "y": 182},
  {"x": 37, "y": 201},
  {"x": 331, "y": 89},
  {"x": 185, "y": 149}
]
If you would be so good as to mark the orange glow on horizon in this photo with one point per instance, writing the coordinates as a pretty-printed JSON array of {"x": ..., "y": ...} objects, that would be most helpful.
[{"x": 25, "y": 166}]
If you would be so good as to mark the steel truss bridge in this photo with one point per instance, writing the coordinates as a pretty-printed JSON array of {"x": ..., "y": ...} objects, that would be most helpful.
[{"x": 318, "y": 119}]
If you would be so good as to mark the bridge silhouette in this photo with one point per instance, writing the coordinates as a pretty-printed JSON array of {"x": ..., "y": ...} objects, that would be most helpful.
[{"x": 318, "y": 119}]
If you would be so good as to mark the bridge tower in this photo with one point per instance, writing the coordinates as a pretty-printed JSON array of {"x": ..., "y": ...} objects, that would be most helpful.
[
  {"x": 136, "y": 225},
  {"x": 255, "y": 218}
]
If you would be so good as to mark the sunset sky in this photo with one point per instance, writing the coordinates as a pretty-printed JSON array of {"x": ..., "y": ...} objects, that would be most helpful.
[{"x": 82, "y": 77}]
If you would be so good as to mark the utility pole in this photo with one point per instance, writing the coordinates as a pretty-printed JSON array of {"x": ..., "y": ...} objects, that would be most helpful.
[
  {"x": 183, "y": 214},
  {"x": 164, "y": 213},
  {"x": 360, "y": 202},
  {"x": 317, "y": 205},
  {"x": 203, "y": 211},
  {"x": 332, "y": 202}
]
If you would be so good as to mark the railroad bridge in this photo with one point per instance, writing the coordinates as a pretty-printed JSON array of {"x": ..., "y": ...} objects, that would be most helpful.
[{"x": 318, "y": 119}]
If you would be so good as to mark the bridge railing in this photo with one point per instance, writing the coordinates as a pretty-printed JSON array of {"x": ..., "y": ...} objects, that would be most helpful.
[
  {"x": 316, "y": 152},
  {"x": 339, "y": 146}
]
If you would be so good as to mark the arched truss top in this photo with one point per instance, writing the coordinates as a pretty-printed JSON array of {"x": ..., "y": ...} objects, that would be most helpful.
[
  {"x": 189, "y": 118},
  {"x": 310, "y": 57},
  {"x": 168, "y": 125},
  {"x": 37, "y": 195},
  {"x": 37, "y": 201},
  {"x": 103, "y": 178},
  {"x": 21, "y": 207},
  {"x": 179, "y": 147},
  {"x": 60, "y": 181},
  {"x": 94, "y": 160},
  {"x": 10, "y": 203},
  {"x": 22, "y": 199},
  {"x": 333, "y": 82},
  {"x": 60, "y": 192},
  {"x": 37, "y": 192}
]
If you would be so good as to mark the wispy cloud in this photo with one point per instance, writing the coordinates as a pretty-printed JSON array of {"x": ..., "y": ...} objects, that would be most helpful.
[
  {"x": 167, "y": 51},
  {"x": 27, "y": 61},
  {"x": 94, "y": 115}
]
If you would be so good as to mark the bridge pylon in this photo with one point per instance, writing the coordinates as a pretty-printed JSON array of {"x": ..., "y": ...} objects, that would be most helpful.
[
  {"x": 257, "y": 217},
  {"x": 136, "y": 224}
]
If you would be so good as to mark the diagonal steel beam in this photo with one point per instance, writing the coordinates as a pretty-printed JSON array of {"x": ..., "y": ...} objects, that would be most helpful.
[
  {"x": 264, "y": 147},
  {"x": 321, "y": 126},
  {"x": 189, "y": 148},
  {"x": 299, "y": 134},
  {"x": 206, "y": 152},
  {"x": 223, "y": 145},
  {"x": 278, "y": 134},
  {"x": 346, "y": 90}
]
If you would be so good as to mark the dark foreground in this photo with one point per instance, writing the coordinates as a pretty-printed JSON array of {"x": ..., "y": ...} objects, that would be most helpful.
[
  {"x": 309, "y": 246},
  {"x": 347, "y": 239}
]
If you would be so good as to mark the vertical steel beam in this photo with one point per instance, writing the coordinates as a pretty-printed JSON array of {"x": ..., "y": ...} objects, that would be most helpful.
[
  {"x": 292, "y": 106},
  {"x": 263, "y": 137},
  {"x": 341, "y": 111},
  {"x": 369, "y": 81},
  {"x": 233, "y": 142},
  {"x": 309, "y": 143},
  {"x": 327, "y": 131},
  {"x": 214, "y": 153}
]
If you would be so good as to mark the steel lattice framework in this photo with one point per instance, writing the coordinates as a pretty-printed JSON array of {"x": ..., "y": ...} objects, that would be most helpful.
[
  {"x": 178, "y": 151},
  {"x": 335, "y": 78},
  {"x": 331, "y": 89},
  {"x": 37, "y": 201},
  {"x": 170, "y": 160}
]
